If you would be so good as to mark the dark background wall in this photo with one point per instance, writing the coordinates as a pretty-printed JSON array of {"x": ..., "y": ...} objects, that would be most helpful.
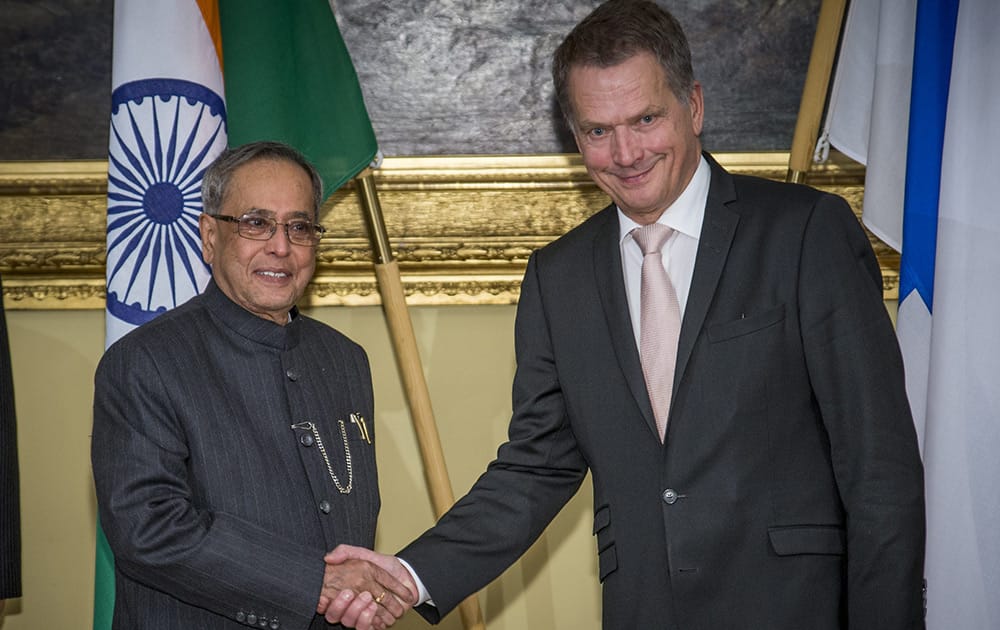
[{"x": 440, "y": 76}]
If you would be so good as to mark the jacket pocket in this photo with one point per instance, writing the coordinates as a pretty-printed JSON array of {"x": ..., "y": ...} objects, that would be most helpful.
[
  {"x": 808, "y": 539},
  {"x": 607, "y": 557},
  {"x": 746, "y": 325}
]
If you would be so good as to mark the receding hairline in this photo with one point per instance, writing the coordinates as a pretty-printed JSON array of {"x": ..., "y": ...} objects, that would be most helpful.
[
  {"x": 616, "y": 31},
  {"x": 266, "y": 158},
  {"x": 217, "y": 179}
]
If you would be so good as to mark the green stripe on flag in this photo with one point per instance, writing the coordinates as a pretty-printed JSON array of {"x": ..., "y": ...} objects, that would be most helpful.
[
  {"x": 104, "y": 583},
  {"x": 289, "y": 77}
]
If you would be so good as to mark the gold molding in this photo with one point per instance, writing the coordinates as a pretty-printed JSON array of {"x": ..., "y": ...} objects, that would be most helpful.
[{"x": 462, "y": 227}]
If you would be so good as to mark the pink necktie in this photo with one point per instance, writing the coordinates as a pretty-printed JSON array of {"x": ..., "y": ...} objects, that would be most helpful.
[{"x": 659, "y": 322}]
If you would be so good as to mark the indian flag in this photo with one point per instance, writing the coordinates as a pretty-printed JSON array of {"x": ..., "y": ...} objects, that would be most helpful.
[{"x": 288, "y": 77}]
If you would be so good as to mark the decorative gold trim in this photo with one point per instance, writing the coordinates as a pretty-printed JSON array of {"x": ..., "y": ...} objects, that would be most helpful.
[{"x": 462, "y": 227}]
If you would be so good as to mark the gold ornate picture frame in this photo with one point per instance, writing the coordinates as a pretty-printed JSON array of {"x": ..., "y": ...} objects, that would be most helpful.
[{"x": 461, "y": 227}]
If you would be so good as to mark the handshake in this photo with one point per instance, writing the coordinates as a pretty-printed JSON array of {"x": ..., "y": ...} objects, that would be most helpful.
[{"x": 365, "y": 590}]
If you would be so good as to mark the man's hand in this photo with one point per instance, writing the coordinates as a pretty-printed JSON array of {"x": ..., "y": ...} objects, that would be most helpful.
[
  {"x": 390, "y": 564},
  {"x": 360, "y": 594}
]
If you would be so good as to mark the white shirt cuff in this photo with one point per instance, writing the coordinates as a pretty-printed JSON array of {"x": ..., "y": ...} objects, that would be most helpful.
[{"x": 423, "y": 597}]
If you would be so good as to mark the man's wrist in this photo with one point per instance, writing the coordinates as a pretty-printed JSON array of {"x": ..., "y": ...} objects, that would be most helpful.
[{"x": 423, "y": 597}]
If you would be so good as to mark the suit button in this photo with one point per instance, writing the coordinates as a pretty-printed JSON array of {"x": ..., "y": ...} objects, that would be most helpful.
[
  {"x": 670, "y": 496},
  {"x": 293, "y": 375},
  {"x": 275, "y": 624},
  {"x": 306, "y": 439},
  {"x": 252, "y": 619},
  {"x": 241, "y": 616},
  {"x": 263, "y": 622},
  {"x": 324, "y": 507}
]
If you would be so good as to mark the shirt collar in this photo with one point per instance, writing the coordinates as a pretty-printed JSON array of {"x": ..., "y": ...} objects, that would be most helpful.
[
  {"x": 251, "y": 326},
  {"x": 686, "y": 214}
]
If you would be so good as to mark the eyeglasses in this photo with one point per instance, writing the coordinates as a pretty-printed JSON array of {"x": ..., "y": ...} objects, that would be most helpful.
[{"x": 262, "y": 228}]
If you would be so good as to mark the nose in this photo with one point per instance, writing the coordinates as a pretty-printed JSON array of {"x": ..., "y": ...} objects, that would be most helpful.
[
  {"x": 626, "y": 149},
  {"x": 279, "y": 244}
]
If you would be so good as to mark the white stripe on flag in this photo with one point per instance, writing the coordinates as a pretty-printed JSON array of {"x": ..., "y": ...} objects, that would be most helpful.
[
  {"x": 167, "y": 124},
  {"x": 153, "y": 38}
]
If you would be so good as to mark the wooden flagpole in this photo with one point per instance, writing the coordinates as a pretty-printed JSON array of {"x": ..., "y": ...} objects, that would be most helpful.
[
  {"x": 408, "y": 358},
  {"x": 824, "y": 51}
]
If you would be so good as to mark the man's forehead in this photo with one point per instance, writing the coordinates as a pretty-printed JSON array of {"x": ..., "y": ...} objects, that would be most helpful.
[
  {"x": 255, "y": 185},
  {"x": 641, "y": 57},
  {"x": 269, "y": 168}
]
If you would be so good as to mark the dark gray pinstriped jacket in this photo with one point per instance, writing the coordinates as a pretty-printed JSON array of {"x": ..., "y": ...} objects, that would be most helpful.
[{"x": 217, "y": 510}]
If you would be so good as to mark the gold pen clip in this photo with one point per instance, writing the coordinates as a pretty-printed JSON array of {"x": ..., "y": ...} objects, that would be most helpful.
[{"x": 359, "y": 420}]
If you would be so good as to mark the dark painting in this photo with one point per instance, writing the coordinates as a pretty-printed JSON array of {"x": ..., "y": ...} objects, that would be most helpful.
[
  {"x": 55, "y": 79},
  {"x": 440, "y": 76}
]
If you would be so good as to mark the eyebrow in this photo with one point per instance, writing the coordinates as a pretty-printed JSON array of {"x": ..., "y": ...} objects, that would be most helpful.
[
  {"x": 659, "y": 111},
  {"x": 271, "y": 213}
]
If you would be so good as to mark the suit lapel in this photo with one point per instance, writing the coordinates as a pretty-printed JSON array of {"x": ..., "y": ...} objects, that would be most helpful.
[
  {"x": 611, "y": 287},
  {"x": 717, "y": 232}
]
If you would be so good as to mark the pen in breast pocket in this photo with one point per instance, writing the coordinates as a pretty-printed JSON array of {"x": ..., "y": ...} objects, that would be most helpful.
[{"x": 359, "y": 420}]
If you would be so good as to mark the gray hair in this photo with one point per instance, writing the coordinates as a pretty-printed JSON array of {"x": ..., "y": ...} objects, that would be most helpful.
[
  {"x": 617, "y": 31},
  {"x": 220, "y": 172}
]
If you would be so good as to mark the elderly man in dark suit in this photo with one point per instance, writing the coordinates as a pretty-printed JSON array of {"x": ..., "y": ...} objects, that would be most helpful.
[
  {"x": 714, "y": 349},
  {"x": 10, "y": 507},
  {"x": 234, "y": 437}
]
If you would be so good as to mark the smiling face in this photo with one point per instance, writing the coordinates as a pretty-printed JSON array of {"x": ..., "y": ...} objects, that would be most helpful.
[
  {"x": 267, "y": 277},
  {"x": 638, "y": 140}
]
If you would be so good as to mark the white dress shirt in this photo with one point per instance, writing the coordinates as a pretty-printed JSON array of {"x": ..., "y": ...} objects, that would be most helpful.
[{"x": 685, "y": 217}]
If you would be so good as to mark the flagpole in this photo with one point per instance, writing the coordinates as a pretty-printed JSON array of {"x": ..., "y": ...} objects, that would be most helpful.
[
  {"x": 408, "y": 357},
  {"x": 824, "y": 50}
]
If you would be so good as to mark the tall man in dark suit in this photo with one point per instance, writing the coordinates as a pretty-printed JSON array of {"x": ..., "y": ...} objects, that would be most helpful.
[
  {"x": 10, "y": 506},
  {"x": 234, "y": 437},
  {"x": 773, "y": 481}
]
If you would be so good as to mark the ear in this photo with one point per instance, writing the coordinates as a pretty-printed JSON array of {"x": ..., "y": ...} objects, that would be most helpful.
[
  {"x": 697, "y": 106},
  {"x": 208, "y": 227}
]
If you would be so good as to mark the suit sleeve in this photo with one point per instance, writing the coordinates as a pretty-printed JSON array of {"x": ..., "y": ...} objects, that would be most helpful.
[
  {"x": 209, "y": 559},
  {"x": 535, "y": 473},
  {"x": 856, "y": 372}
]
